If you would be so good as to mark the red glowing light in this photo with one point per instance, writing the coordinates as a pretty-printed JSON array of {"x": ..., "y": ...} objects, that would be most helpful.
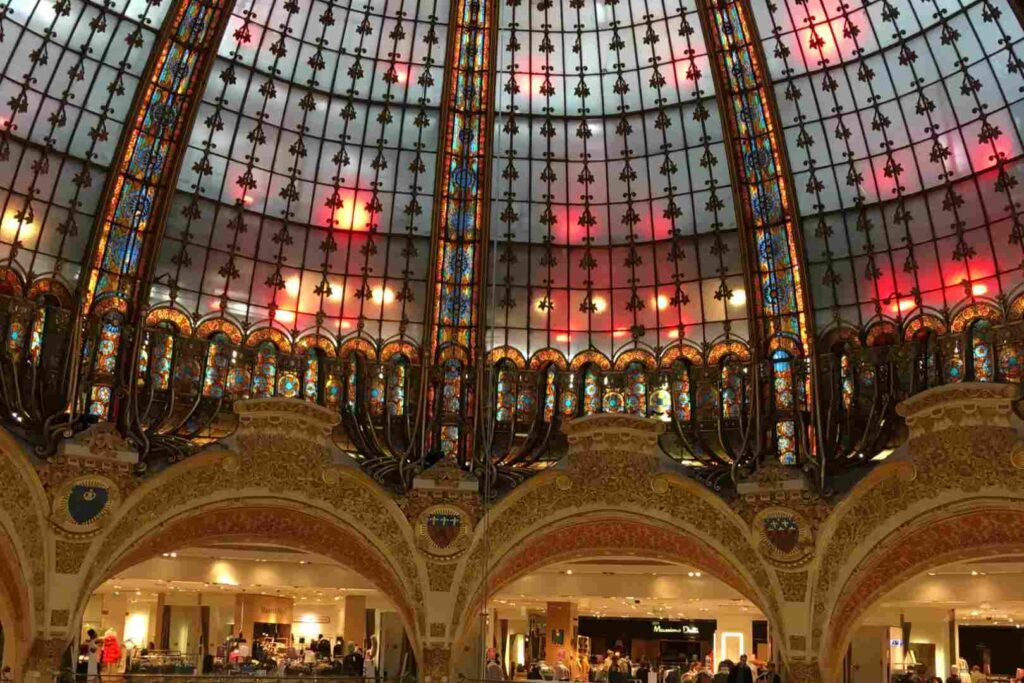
[
  {"x": 619, "y": 334},
  {"x": 247, "y": 199},
  {"x": 563, "y": 337},
  {"x": 979, "y": 289},
  {"x": 673, "y": 334},
  {"x": 353, "y": 214},
  {"x": 904, "y": 305}
]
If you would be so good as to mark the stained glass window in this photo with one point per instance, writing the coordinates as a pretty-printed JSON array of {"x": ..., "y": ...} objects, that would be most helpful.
[
  {"x": 731, "y": 388},
  {"x": 375, "y": 397},
  {"x": 451, "y": 405},
  {"x": 782, "y": 378},
  {"x": 311, "y": 376},
  {"x": 505, "y": 399},
  {"x": 1011, "y": 362},
  {"x": 636, "y": 389},
  {"x": 981, "y": 351},
  {"x": 352, "y": 382},
  {"x": 35, "y": 344},
  {"x": 264, "y": 379},
  {"x": 591, "y": 391},
  {"x": 107, "y": 350},
  {"x": 785, "y": 441},
  {"x": 955, "y": 368},
  {"x": 161, "y": 357},
  {"x": 218, "y": 359},
  {"x": 847, "y": 381},
  {"x": 396, "y": 387},
  {"x": 550, "y": 394},
  {"x": 15, "y": 339},
  {"x": 681, "y": 398}
]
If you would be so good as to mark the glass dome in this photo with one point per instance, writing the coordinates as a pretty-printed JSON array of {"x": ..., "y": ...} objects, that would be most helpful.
[{"x": 459, "y": 224}]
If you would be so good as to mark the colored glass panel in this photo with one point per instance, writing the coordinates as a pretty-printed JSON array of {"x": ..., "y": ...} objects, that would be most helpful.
[
  {"x": 636, "y": 389},
  {"x": 264, "y": 379},
  {"x": 681, "y": 398},
  {"x": 505, "y": 396},
  {"x": 154, "y": 137},
  {"x": 396, "y": 389},
  {"x": 981, "y": 352}
]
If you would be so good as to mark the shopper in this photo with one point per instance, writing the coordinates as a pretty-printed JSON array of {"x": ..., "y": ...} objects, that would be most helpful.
[
  {"x": 977, "y": 676},
  {"x": 724, "y": 667},
  {"x": 770, "y": 675},
  {"x": 615, "y": 674},
  {"x": 741, "y": 673},
  {"x": 495, "y": 674},
  {"x": 954, "y": 675},
  {"x": 339, "y": 648},
  {"x": 92, "y": 647},
  {"x": 643, "y": 670}
]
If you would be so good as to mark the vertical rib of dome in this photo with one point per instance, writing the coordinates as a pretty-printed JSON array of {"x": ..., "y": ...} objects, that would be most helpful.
[
  {"x": 460, "y": 232},
  {"x": 769, "y": 217},
  {"x": 135, "y": 200}
]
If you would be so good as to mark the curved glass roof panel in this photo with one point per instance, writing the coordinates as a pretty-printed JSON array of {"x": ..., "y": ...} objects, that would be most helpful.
[
  {"x": 613, "y": 223},
  {"x": 70, "y": 70},
  {"x": 903, "y": 127},
  {"x": 306, "y": 193}
]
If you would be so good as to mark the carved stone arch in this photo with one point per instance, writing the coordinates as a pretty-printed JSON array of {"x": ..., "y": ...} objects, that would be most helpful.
[
  {"x": 612, "y": 471},
  {"x": 964, "y": 452},
  {"x": 282, "y": 521},
  {"x": 24, "y": 551},
  {"x": 280, "y": 456},
  {"x": 977, "y": 528}
]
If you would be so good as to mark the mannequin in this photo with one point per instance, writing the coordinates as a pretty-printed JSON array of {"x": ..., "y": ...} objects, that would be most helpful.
[{"x": 111, "y": 650}]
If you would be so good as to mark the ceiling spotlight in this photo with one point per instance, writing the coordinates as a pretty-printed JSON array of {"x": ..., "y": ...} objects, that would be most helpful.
[
  {"x": 600, "y": 304},
  {"x": 569, "y": 572},
  {"x": 739, "y": 298}
]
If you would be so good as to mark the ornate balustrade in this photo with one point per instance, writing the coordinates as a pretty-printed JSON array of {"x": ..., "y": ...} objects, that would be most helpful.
[{"x": 721, "y": 406}]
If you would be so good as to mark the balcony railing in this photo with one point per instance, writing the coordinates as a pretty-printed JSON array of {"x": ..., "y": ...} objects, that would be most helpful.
[{"x": 170, "y": 391}]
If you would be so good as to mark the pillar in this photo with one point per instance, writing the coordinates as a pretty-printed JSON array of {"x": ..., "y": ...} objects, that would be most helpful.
[
  {"x": 157, "y": 629},
  {"x": 390, "y": 650},
  {"x": 355, "y": 620},
  {"x": 563, "y": 624}
]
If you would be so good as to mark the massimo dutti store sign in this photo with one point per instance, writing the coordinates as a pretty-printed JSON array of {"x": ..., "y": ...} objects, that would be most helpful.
[{"x": 682, "y": 629}]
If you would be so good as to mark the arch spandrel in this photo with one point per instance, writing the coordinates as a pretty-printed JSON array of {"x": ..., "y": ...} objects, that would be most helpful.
[
  {"x": 24, "y": 547},
  {"x": 964, "y": 452}
]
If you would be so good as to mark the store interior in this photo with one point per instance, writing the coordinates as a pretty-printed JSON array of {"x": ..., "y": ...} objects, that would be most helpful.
[
  {"x": 237, "y": 609},
  {"x": 669, "y": 615},
  {"x": 965, "y": 614},
  {"x": 195, "y": 610}
]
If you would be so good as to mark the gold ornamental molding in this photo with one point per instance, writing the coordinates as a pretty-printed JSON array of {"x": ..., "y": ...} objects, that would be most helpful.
[{"x": 956, "y": 406}]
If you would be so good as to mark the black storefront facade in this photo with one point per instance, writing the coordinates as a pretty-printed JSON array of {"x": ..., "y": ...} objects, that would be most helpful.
[{"x": 659, "y": 640}]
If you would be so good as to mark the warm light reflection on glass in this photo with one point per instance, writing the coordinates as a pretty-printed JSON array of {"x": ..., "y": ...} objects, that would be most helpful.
[
  {"x": 13, "y": 228},
  {"x": 384, "y": 295}
]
